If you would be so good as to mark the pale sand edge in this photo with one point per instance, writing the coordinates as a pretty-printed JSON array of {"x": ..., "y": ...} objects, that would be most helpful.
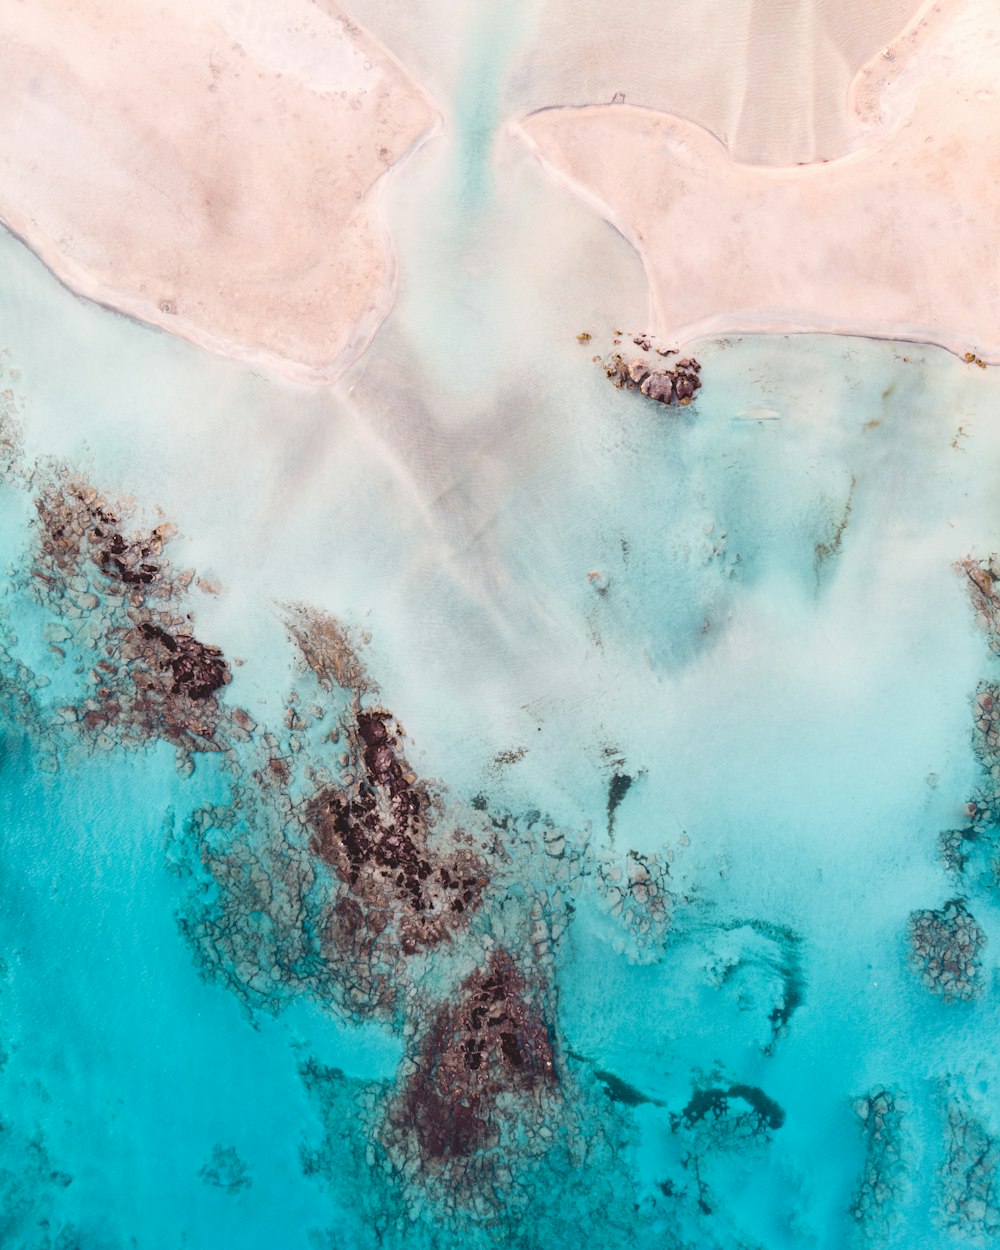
[
  {"x": 81, "y": 284},
  {"x": 748, "y": 321}
]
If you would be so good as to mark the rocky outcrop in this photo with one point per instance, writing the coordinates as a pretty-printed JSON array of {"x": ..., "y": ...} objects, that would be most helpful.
[
  {"x": 105, "y": 580},
  {"x": 666, "y": 386},
  {"x": 969, "y": 1178},
  {"x": 882, "y": 1184},
  {"x": 482, "y": 1055},
  {"x": 945, "y": 950},
  {"x": 374, "y": 834}
]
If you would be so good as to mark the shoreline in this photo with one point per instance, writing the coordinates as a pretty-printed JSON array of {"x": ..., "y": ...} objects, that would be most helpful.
[{"x": 894, "y": 215}]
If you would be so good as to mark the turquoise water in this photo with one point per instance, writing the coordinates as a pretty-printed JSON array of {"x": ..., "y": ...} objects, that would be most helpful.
[{"x": 694, "y": 692}]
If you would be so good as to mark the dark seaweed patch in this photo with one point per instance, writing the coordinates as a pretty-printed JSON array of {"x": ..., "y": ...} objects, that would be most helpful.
[
  {"x": 618, "y": 787},
  {"x": 715, "y": 1103},
  {"x": 621, "y": 1091}
]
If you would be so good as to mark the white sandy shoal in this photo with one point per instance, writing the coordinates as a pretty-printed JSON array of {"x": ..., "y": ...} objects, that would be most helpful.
[
  {"x": 895, "y": 240},
  {"x": 769, "y": 78},
  {"x": 208, "y": 167}
]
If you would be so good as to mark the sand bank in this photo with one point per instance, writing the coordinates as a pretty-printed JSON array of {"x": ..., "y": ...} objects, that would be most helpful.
[
  {"x": 208, "y": 168},
  {"x": 769, "y": 78},
  {"x": 894, "y": 240}
]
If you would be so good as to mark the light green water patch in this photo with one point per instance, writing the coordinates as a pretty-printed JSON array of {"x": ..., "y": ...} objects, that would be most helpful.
[{"x": 494, "y": 35}]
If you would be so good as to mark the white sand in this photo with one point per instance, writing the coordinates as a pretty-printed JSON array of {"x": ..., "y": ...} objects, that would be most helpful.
[
  {"x": 896, "y": 239},
  {"x": 769, "y": 78},
  {"x": 210, "y": 167}
]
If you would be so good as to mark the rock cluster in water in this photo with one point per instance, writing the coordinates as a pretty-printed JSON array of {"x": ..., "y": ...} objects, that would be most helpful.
[
  {"x": 485, "y": 1053},
  {"x": 969, "y": 1199},
  {"x": 945, "y": 948},
  {"x": 883, "y": 1179},
  {"x": 637, "y": 892},
  {"x": 114, "y": 590},
  {"x": 983, "y": 585},
  {"x": 677, "y": 385},
  {"x": 373, "y": 833}
]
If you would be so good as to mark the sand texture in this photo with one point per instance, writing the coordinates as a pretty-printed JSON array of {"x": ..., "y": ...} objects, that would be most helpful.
[
  {"x": 220, "y": 180},
  {"x": 895, "y": 239}
]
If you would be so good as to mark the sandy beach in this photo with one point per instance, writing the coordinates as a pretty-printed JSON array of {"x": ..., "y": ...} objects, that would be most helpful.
[
  {"x": 893, "y": 240},
  {"x": 221, "y": 181}
]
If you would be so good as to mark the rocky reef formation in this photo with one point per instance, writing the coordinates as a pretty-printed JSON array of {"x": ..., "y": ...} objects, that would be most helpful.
[
  {"x": 972, "y": 851},
  {"x": 485, "y": 1058},
  {"x": 875, "y": 1206},
  {"x": 665, "y": 386},
  {"x": 969, "y": 1178},
  {"x": 983, "y": 587},
  {"x": 373, "y": 832},
  {"x": 637, "y": 891},
  {"x": 945, "y": 946},
  {"x": 677, "y": 385},
  {"x": 111, "y": 587},
  {"x": 328, "y": 651}
]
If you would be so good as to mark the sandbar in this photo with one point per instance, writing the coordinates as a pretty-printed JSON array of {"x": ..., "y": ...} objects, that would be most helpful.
[
  {"x": 212, "y": 168},
  {"x": 896, "y": 239}
]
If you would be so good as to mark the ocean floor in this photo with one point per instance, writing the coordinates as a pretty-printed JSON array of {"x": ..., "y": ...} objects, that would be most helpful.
[{"x": 470, "y": 805}]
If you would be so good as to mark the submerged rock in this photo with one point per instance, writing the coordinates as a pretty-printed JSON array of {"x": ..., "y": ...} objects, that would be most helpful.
[
  {"x": 945, "y": 950},
  {"x": 882, "y": 1185},
  {"x": 226, "y": 1170},
  {"x": 375, "y": 835},
  {"x": 969, "y": 1178},
  {"x": 983, "y": 586},
  {"x": 474, "y": 1067}
]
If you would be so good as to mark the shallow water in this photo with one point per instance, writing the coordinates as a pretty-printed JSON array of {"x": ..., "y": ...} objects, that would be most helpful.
[{"x": 732, "y": 641}]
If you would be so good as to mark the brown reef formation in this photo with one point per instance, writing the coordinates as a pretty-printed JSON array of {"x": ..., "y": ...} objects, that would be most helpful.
[
  {"x": 945, "y": 950},
  {"x": 155, "y": 679},
  {"x": 983, "y": 586},
  {"x": 666, "y": 386},
  {"x": 488, "y": 1042},
  {"x": 374, "y": 835}
]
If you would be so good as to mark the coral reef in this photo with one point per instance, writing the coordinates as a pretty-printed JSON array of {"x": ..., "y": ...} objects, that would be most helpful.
[
  {"x": 226, "y": 1170},
  {"x": 636, "y": 889},
  {"x": 983, "y": 587},
  {"x": 945, "y": 950},
  {"x": 490, "y": 1044},
  {"x": 969, "y": 1178},
  {"x": 375, "y": 836},
  {"x": 113, "y": 590},
  {"x": 881, "y": 1114}
]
